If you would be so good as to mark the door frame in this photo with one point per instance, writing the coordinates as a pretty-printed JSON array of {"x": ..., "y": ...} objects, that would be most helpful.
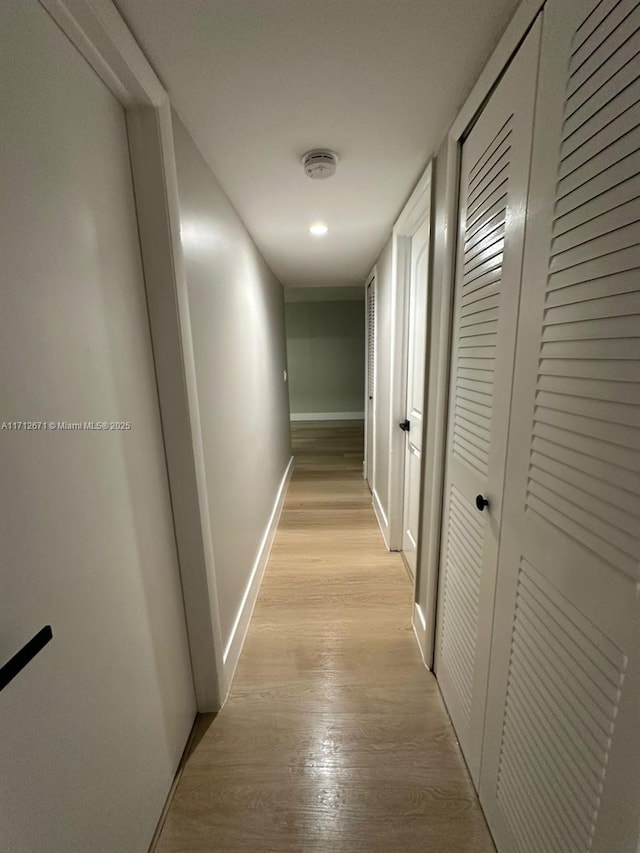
[
  {"x": 413, "y": 214},
  {"x": 368, "y": 467},
  {"x": 446, "y": 179},
  {"x": 99, "y": 33}
]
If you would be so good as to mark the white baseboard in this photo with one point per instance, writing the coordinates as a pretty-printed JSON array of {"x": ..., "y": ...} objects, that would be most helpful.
[
  {"x": 241, "y": 625},
  {"x": 327, "y": 416},
  {"x": 381, "y": 517},
  {"x": 420, "y": 630}
]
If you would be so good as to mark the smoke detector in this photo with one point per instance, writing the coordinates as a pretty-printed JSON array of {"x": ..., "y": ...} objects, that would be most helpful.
[{"x": 320, "y": 163}]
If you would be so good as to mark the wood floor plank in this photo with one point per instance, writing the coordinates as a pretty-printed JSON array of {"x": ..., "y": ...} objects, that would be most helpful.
[
  {"x": 350, "y": 740},
  {"x": 334, "y": 738}
]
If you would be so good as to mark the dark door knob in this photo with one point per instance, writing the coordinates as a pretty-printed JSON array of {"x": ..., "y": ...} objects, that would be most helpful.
[
  {"x": 481, "y": 502},
  {"x": 405, "y": 426}
]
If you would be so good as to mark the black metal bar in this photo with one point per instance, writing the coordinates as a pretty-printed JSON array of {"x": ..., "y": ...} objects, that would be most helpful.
[{"x": 26, "y": 654}]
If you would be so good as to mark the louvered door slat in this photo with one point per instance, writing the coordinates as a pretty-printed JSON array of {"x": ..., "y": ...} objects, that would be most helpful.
[
  {"x": 592, "y": 160},
  {"x": 595, "y": 93},
  {"x": 570, "y": 200},
  {"x": 482, "y": 293},
  {"x": 609, "y": 17},
  {"x": 486, "y": 246},
  {"x": 604, "y": 410},
  {"x": 371, "y": 338},
  {"x": 493, "y": 177},
  {"x": 620, "y": 392},
  {"x": 607, "y": 222},
  {"x": 609, "y": 242},
  {"x": 580, "y": 462},
  {"x": 607, "y": 75},
  {"x": 490, "y": 219},
  {"x": 628, "y": 190},
  {"x": 484, "y": 158}
]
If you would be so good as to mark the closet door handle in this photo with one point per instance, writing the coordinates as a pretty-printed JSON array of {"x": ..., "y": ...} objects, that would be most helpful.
[
  {"x": 481, "y": 502},
  {"x": 405, "y": 426},
  {"x": 26, "y": 654}
]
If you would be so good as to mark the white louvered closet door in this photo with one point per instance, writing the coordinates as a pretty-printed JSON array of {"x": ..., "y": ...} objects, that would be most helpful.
[
  {"x": 494, "y": 181},
  {"x": 561, "y": 768}
]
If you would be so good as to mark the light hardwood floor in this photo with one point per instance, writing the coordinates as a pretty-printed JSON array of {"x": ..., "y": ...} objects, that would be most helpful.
[{"x": 334, "y": 738}]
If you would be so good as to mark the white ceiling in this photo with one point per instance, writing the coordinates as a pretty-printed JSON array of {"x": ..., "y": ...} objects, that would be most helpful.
[{"x": 259, "y": 82}]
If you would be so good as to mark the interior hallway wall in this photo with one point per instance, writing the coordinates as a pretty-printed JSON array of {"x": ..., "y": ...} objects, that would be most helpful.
[
  {"x": 326, "y": 358},
  {"x": 237, "y": 320}
]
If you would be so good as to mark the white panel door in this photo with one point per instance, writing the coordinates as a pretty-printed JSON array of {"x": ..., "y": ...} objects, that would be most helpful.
[
  {"x": 417, "y": 338},
  {"x": 561, "y": 769},
  {"x": 92, "y": 730},
  {"x": 494, "y": 182}
]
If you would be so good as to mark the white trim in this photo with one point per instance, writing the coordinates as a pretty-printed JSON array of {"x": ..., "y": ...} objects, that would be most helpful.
[
  {"x": 101, "y": 36},
  {"x": 400, "y": 265},
  {"x": 97, "y": 30},
  {"x": 444, "y": 230},
  {"x": 381, "y": 517},
  {"x": 419, "y": 626},
  {"x": 241, "y": 625},
  {"x": 416, "y": 206},
  {"x": 415, "y": 211},
  {"x": 518, "y": 27},
  {"x": 327, "y": 416}
]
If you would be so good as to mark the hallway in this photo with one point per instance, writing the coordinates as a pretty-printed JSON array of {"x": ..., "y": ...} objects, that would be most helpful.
[{"x": 334, "y": 737}]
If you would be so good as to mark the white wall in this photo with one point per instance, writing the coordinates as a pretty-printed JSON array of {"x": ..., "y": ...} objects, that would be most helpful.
[
  {"x": 382, "y": 393},
  {"x": 325, "y": 354},
  {"x": 93, "y": 729},
  {"x": 237, "y": 319}
]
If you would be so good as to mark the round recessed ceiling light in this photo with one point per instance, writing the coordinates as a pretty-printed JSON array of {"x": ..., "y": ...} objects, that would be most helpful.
[{"x": 318, "y": 229}]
